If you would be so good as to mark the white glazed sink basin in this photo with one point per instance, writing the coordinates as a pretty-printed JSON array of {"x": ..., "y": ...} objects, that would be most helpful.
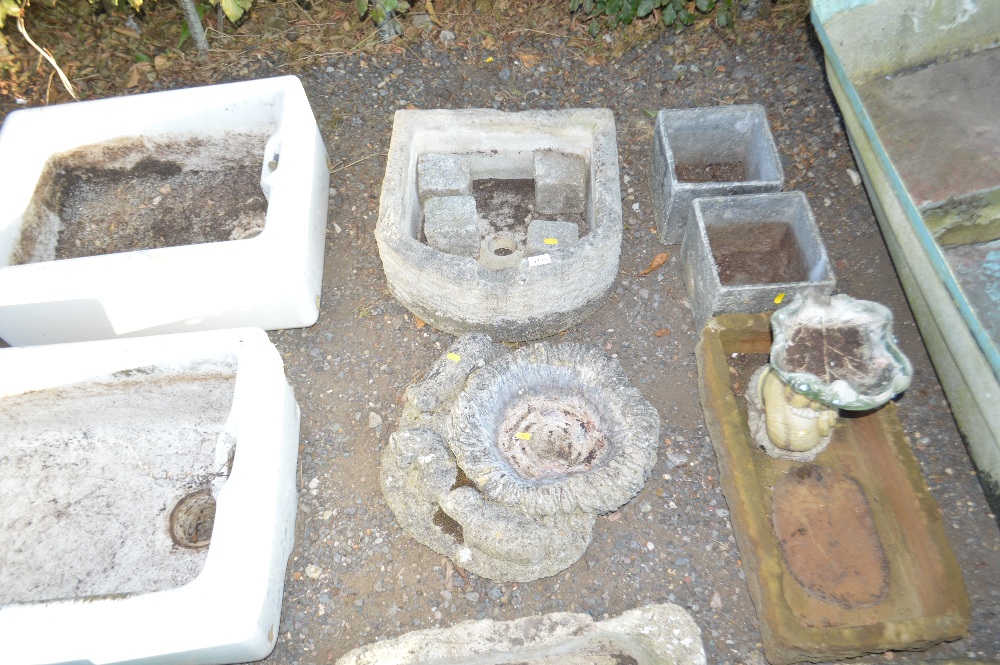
[
  {"x": 100, "y": 441},
  {"x": 271, "y": 280}
]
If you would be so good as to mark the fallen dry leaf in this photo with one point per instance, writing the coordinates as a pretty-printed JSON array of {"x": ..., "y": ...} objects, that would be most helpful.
[
  {"x": 135, "y": 71},
  {"x": 662, "y": 332},
  {"x": 417, "y": 321},
  {"x": 529, "y": 60},
  {"x": 657, "y": 261}
]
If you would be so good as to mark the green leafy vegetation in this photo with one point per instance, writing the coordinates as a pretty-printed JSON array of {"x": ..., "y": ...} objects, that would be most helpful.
[{"x": 611, "y": 14}]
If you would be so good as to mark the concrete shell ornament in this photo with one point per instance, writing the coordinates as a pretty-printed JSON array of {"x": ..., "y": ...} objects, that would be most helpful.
[{"x": 503, "y": 460}]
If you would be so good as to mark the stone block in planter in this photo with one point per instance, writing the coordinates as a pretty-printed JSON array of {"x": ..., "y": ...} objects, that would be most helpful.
[
  {"x": 707, "y": 152},
  {"x": 505, "y": 291},
  {"x": 165, "y": 212},
  {"x": 443, "y": 175},
  {"x": 560, "y": 182},
  {"x": 450, "y": 225},
  {"x": 741, "y": 252},
  {"x": 652, "y": 635},
  {"x": 149, "y": 489}
]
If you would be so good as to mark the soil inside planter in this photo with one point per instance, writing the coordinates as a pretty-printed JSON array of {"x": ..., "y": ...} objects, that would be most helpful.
[
  {"x": 757, "y": 253},
  {"x": 835, "y": 352},
  {"x": 716, "y": 172},
  {"x": 129, "y": 195},
  {"x": 509, "y": 206}
]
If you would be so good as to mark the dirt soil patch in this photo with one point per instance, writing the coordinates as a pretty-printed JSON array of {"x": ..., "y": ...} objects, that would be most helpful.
[
  {"x": 758, "y": 253},
  {"x": 716, "y": 172}
]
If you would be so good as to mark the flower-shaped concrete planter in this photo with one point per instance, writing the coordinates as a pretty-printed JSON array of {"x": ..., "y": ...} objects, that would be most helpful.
[
  {"x": 705, "y": 152},
  {"x": 58, "y": 157},
  {"x": 744, "y": 254},
  {"x": 149, "y": 489},
  {"x": 509, "y": 290},
  {"x": 503, "y": 460}
]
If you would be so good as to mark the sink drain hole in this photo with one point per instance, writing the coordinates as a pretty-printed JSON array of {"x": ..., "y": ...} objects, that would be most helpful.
[{"x": 192, "y": 520}]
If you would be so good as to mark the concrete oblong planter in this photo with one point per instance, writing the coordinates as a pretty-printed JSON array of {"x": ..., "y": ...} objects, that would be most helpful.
[
  {"x": 742, "y": 252},
  {"x": 737, "y": 136},
  {"x": 271, "y": 280},
  {"x": 513, "y": 297},
  {"x": 109, "y": 436}
]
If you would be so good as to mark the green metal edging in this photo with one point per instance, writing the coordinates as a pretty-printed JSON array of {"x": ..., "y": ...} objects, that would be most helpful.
[{"x": 938, "y": 262}]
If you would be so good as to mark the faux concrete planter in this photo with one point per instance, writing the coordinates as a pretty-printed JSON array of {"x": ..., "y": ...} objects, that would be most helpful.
[
  {"x": 81, "y": 260},
  {"x": 503, "y": 460},
  {"x": 846, "y": 555},
  {"x": 742, "y": 252},
  {"x": 150, "y": 487},
  {"x": 652, "y": 635},
  {"x": 512, "y": 289},
  {"x": 707, "y": 152}
]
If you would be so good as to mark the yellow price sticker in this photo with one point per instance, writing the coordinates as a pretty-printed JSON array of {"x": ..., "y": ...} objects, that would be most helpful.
[
  {"x": 778, "y": 298},
  {"x": 454, "y": 357},
  {"x": 551, "y": 241},
  {"x": 524, "y": 436}
]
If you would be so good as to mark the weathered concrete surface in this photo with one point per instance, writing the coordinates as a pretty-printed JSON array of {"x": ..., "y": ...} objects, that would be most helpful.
[
  {"x": 805, "y": 611},
  {"x": 652, "y": 635},
  {"x": 710, "y": 295},
  {"x": 939, "y": 126},
  {"x": 443, "y": 175},
  {"x": 450, "y": 225},
  {"x": 560, "y": 182},
  {"x": 724, "y": 135},
  {"x": 461, "y": 484},
  {"x": 546, "y": 236},
  {"x": 460, "y": 294}
]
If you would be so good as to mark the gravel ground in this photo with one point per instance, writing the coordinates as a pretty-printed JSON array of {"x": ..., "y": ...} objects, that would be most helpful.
[{"x": 355, "y": 576}]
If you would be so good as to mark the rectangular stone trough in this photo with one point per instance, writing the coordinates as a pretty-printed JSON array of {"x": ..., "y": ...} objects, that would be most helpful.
[
  {"x": 148, "y": 499},
  {"x": 707, "y": 152},
  {"x": 748, "y": 253},
  {"x": 174, "y": 211},
  {"x": 844, "y": 556}
]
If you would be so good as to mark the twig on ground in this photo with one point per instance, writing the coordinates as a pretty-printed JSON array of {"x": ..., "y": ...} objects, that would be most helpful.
[
  {"x": 45, "y": 54},
  {"x": 341, "y": 167}
]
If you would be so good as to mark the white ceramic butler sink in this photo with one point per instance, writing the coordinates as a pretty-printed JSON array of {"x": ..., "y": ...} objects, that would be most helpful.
[
  {"x": 148, "y": 494},
  {"x": 176, "y": 211}
]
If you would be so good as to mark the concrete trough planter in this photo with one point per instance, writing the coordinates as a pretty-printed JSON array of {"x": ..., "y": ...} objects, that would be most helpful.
[
  {"x": 707, "y": 152},
  {"x": 467, "y": 266},
  {"x": 149, "y": 499},
  {"x": 177, "y": 211},
  {"x": 741, "y": 253}
]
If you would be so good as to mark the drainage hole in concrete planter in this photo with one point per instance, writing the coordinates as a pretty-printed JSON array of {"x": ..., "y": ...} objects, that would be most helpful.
[
  {"x": 192, "y": 520},
  {"x": 756, "y": 253}
]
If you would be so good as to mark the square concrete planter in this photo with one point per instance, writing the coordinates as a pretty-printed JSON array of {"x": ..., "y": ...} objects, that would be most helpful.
[
  {"x": 78, "y": 262},
  {"x": 148, "y": 501},
  {"x": 707, "y": 152},
  {"x": 741, "y": 253},
  {"x": 567, "y": 158}
]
